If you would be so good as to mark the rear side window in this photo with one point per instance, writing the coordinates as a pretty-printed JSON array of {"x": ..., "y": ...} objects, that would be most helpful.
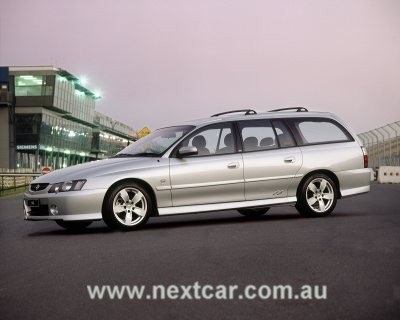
[
  {"x": 314, "y": 131},
  {"x": 257, "y": 135}
]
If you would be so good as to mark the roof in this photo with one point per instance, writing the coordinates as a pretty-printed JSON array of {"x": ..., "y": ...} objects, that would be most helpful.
[{"x": 260, "y": 115}]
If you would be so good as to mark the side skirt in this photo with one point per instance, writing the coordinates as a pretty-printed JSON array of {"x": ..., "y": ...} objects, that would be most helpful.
[{"x": 225, "y": 206}]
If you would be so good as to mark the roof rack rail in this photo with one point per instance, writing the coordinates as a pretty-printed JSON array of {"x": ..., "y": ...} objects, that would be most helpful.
[
  {"x": 298, "y": 109},
  {"x": 246, "y": 112}
]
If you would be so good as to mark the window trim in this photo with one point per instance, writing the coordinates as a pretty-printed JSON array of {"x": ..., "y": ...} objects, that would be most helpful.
[
  {"x": 299, "y": 137},
  {"x": 238, "y": 137},
  {"x": 289, "y": 130}
]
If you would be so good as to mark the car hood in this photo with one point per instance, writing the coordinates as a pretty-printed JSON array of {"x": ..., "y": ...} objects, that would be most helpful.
[{"x": 96, "y": 168}]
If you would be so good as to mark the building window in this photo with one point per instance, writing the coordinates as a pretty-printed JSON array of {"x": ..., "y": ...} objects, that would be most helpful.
[{"x": 32, "y": 85}]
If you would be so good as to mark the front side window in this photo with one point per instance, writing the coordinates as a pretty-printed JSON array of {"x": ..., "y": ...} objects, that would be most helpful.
[
  {"x": 314, "y": 131},
  {"x": 257, "y": 135},
  {"x": 212, "y": 140}
]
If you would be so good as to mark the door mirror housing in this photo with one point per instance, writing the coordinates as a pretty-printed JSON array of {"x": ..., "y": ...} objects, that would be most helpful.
[{"x": 187, "y": 151}]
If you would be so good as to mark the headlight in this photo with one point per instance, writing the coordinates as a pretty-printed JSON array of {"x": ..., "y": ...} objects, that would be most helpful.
[
  {"x": 67, "y": 185},
  {"x": 72, "y": 185}
]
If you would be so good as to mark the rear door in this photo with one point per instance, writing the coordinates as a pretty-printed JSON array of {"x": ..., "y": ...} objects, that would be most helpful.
[{"x": 271, "y": 158}]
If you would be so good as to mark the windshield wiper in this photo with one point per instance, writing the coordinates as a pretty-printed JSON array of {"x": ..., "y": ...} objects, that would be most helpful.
[
  {"x": 123, "y": 155},
  {"x": 146, "y": 154},
  {"x": 141, "y": 154}
]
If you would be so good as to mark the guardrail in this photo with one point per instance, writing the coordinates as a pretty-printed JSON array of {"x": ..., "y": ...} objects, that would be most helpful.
[
  {"x": 383, "y": 145},
  {"x": 10, "y": 182}
]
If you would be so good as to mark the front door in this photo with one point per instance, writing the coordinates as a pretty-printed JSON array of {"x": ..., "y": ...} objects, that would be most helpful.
[{"x": 214, "y": 175}]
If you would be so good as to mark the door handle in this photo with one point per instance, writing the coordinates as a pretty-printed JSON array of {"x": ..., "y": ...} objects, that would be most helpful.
[
  {"x": 290, "y": 160},
  {"x": 233, "y": 165}
]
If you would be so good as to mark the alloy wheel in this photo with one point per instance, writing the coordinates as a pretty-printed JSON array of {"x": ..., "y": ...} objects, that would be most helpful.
[
  {"x": 320, "y": 195},
  {"x": 129, "y": 206}
]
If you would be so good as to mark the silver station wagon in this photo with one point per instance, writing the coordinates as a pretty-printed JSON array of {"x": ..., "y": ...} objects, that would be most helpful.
[{"x": 233, "y": 160}]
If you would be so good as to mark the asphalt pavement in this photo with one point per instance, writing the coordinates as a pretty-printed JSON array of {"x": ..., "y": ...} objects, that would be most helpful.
[{"x": 355, "y": 253}]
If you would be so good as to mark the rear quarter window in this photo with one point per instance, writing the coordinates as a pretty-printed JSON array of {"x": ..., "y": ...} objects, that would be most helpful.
[{"x": 317, "y": 131}]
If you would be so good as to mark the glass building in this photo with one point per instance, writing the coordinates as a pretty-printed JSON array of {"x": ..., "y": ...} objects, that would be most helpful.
[
  {"x": 110, "y": 136},
  {"x": 56, "y": 123}
]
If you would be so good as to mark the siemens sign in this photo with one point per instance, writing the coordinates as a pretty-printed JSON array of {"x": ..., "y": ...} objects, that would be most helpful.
[{"x": 27, "y": 147}]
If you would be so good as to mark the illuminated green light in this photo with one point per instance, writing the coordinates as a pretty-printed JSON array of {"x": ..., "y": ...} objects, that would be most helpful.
[
  {"x": 71, "y": 134},
  {"x": 97, "y": 94},
  {"x": 82, "y": 154},
  {"x": 83, "y": 80},
  {"x": 67, "y": 151},
  {"x": 49, "y": 149}
]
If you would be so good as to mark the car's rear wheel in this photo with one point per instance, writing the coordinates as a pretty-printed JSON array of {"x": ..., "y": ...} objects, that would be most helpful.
[
  {"x": 253, "y": 212},
  {"x": 317, "y": 196},
  {"x": 127, "y": 207},
  {"x": 73, "y": 225}
]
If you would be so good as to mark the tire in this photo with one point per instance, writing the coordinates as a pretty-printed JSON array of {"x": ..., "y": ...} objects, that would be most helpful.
[
  {"x": 253, "y": 212},
  {"x": 128, "y": 206},
  {"x": 317, "y": 196},
  {"x": 74, "y": 225}
]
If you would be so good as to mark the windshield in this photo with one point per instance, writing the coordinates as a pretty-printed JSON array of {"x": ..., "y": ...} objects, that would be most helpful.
[{"x": 156, "y": 143}]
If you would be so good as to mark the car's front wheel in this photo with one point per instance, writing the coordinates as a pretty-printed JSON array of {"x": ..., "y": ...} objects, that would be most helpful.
[
  {"x": 317, "y": 196},
  {"x": 253, "y": 212},
  {"x": 127, "y": 207},
  {"x": 73, "y": 225}
]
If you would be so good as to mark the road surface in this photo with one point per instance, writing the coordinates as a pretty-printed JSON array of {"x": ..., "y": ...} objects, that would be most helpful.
[{"x": 45, "y": 271}]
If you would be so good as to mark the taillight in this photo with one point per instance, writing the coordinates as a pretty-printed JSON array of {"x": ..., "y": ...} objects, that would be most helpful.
[{"x": 364, "y": 151}]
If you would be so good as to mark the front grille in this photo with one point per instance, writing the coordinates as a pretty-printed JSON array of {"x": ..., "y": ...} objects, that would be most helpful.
[
  {"x": 42, "y": 210},
  {"x": 38, "y": 186}
]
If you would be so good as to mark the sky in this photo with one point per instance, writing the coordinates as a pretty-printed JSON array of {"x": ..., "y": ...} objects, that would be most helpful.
[{"x": 163, "y": 62}]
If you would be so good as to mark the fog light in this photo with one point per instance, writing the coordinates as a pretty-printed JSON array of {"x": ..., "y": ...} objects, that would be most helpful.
[{"x": 53, "y": 209}]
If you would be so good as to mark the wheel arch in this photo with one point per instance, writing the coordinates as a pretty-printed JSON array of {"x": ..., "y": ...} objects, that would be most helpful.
[
  {"x": 140, "y": 182},
  {"x": 326, "y": 172}
]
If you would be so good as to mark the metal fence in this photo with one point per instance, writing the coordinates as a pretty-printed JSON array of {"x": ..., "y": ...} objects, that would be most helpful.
[
  {"x": 13, "y": 180},
  {"x": 383, "y": 145}
]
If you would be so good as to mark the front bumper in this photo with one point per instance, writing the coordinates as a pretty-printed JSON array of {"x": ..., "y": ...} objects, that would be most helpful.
[{"x": 71, "y": 206}]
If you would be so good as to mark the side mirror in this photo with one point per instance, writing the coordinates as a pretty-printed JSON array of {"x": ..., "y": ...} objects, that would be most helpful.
[{"x": 187, "y": 151}]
